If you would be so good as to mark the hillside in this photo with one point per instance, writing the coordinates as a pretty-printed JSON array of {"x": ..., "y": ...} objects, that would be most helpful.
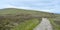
[{"x": 20, "y": 19}]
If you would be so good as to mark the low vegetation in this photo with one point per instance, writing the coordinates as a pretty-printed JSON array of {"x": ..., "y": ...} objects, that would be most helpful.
[
  {"x": 28, "y": 25},
  {"x": 7, "y": 22},
  {"x": 55, "y": 24},
  {"x": 20, "y": 19}
]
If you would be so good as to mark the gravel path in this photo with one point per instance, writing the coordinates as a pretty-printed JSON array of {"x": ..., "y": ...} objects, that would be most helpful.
[{"x": 44, "y": 25}]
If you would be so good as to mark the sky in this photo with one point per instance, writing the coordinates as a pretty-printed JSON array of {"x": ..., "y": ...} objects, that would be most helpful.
[{"x": 40, "y": 5}]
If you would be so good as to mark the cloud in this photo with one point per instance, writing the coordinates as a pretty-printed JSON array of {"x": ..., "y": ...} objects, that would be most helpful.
[
  {"x": 11, "y": 6},
  {"x": 46, "y": 10}
]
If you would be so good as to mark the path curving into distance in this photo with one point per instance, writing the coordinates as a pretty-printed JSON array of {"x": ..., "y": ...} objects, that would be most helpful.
[{"x": 44, "y": 25}]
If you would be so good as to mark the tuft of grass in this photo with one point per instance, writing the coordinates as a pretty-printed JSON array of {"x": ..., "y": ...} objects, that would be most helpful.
[
  {"x": 27, "y": 25},
  {"x": 54, "y": 25}
]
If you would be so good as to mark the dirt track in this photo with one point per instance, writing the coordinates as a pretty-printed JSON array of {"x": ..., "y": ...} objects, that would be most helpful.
[{"x": 44, "y": 25}]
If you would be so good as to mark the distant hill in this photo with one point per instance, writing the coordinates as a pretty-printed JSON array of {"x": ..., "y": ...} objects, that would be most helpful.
[{"x": 24, "y": 11}]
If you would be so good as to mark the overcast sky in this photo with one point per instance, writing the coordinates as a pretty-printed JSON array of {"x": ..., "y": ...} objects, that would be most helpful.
[{"x": 41, "y": 5}]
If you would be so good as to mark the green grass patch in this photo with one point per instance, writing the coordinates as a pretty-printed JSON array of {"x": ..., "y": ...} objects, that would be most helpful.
[
  {"x": 55, "y": 26},
  {"x": 27, "y": 25}
]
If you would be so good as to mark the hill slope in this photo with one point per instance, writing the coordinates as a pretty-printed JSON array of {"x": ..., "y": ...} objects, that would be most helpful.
[
  {"x": 21, "y": 19},
  {"x": 23, "y": 11}
]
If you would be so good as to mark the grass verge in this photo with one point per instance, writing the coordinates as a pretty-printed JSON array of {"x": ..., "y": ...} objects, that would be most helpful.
[
  {"x": 28, "y": 25},
  {"x": 55, "y": 26}
]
